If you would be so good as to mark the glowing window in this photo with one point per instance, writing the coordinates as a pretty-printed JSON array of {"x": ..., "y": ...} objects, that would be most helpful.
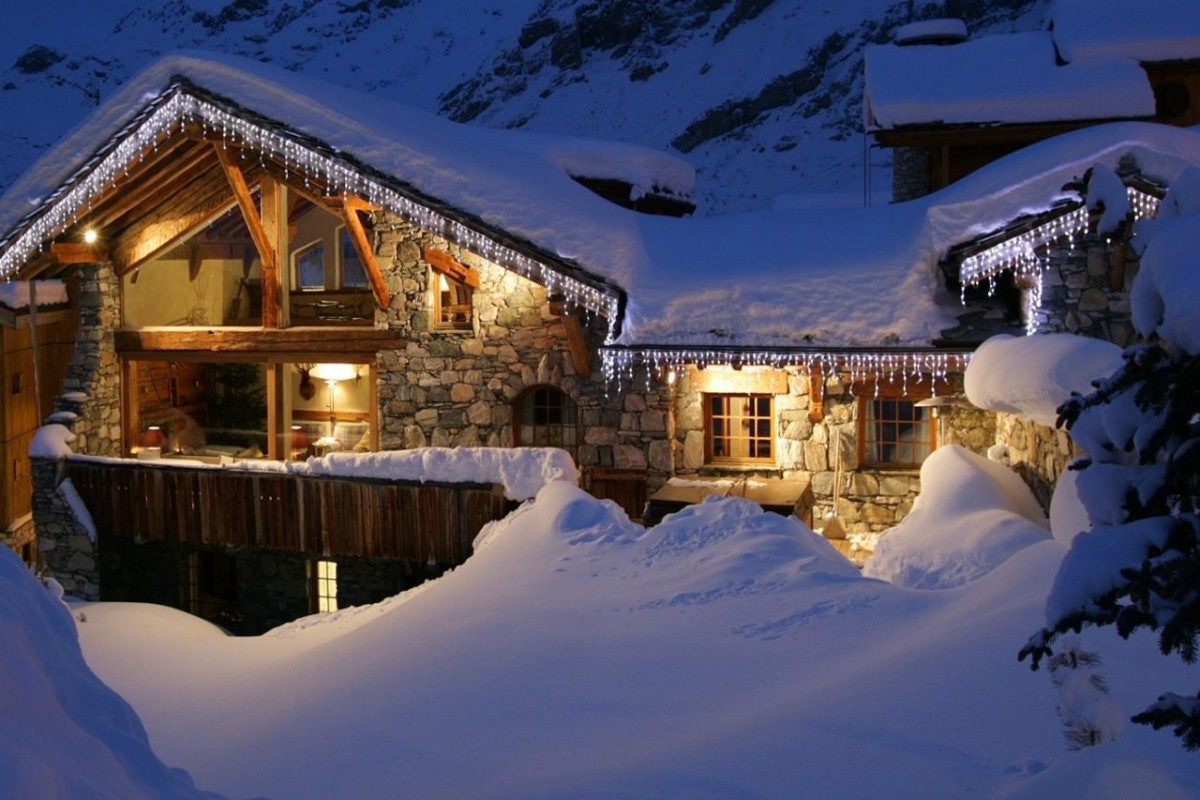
[
  {"x": 325, "y": 576},
  {"x": 452, "y": 301},
  {"x": 739, "y": 427}
]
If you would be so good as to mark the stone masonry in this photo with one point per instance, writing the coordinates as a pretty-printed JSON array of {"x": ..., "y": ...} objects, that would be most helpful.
[{"x": 457, "y": 388}]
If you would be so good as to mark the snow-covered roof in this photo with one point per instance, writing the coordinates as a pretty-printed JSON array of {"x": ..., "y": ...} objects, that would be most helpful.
[
  {"x": 518, "y": 184},
  {"x": 1012, "y": 78},
  {"x": 1145, "y": 30},
  {"x": 804, "y": 280}
]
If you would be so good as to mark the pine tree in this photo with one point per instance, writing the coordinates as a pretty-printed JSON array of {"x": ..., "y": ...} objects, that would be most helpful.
[{"x": 1149, "y": 556}]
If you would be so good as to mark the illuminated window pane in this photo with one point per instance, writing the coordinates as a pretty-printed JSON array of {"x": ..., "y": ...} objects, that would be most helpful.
[
  {"x": 326, "y": 586},
  {"x": 740, "y": 427}
]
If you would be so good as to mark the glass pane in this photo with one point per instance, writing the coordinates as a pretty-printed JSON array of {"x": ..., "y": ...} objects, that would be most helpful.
[
  {"x": 354, "y": 274},
  {"x": 310, "y": 268}
]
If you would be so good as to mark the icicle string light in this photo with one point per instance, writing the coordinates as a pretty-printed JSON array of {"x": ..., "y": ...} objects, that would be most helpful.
[
  {"x": 622, "y": 364},
  {"x": 177, "y": 108},
  {"x": 1019, "y": 253}
]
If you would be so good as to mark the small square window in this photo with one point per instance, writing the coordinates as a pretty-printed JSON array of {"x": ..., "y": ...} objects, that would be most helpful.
[
  {"x": 740, "y": 428},
  {"x": 453, "y": 308}
]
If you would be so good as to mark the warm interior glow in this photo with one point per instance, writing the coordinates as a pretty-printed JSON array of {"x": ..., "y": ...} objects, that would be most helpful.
[
  {"x": 90, "y": 236},
  {"x": 334, "y": 372}
]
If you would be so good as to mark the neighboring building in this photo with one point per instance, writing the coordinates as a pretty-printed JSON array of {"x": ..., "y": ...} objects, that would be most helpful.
[
  {"x": 282, "y": 269},
  {"x": 949, "y": 108}
]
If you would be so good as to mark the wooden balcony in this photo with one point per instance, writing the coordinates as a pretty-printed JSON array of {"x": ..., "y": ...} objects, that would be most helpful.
[{"x": 315, "y": 515}]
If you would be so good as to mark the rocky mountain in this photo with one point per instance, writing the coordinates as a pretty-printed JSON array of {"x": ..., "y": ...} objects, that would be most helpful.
[{"x": 762, "y": 96}]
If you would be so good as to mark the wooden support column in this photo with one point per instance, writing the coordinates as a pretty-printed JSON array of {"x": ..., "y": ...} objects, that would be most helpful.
[
  {"x": 576, "y": 339},
  {"x": 816, "y": 394}
]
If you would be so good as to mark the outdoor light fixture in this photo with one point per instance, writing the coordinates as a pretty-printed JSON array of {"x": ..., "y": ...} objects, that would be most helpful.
[
  {"x": 935, "y": 406},
  {"x": 90, "y": 236}
]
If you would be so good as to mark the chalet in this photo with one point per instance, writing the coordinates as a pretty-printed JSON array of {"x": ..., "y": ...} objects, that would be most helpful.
[
  {"x": 272, "y": 275},
  {"x": 947, "y": 104}
]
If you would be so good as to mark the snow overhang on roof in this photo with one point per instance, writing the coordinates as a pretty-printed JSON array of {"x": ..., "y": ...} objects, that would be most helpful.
[
  {"x": 997, "y": 80},
  {"x": 508, "y": 196},
  {"x": 1149, "y": 31}
]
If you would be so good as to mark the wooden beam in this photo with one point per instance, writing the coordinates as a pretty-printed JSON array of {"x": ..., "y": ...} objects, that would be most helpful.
[
  {"x": 262, "y": 345},
  {"x": 448, "y": 265},
  {"x": 258, "y": 230},
  {"x": 816, "y": 394},
  {"x": 358, "y": 238},
  {"x": 152, "y": 237},
  {"x": 79, "y": 252},
  {"x": 577, "y": 345},
  {"x": 272, "y": 197}
]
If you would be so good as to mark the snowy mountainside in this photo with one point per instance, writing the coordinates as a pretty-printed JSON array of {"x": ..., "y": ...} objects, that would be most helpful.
[{"x": 762, "y": 96}]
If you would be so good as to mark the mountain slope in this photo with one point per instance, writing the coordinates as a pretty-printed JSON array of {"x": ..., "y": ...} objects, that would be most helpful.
[{"x": 762, "y": 96}]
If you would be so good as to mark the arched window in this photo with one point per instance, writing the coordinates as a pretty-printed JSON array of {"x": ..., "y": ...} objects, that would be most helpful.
[{"x": 546, "y": 417}]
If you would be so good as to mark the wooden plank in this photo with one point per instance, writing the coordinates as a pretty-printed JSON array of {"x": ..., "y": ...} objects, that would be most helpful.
[
  {"x": 258, "y": 226},
  {"x": 353, "y": 344},
  {"x": 719, "y": 380},
  {"x": 577, "y": 345},
  {"x": 152, "y": 237},
  {"x": 816, "y": 394}
]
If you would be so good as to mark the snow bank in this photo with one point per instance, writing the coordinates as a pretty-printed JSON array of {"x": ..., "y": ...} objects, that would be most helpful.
[
  {"x": 971, "y": 515},
  {"x": 1031, "y": 376},
  {"x": 67, "y": 734},
  {"x": 522, "y": 471}
]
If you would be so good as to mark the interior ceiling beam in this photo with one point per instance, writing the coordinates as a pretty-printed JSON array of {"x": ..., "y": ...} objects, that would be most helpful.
[
  {"x": 258, "y": 227},
  {"x": 155, "y": 234}
]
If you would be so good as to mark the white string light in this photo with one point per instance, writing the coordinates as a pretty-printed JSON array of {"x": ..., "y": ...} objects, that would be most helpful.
[
  {"x": 621, "y": 364},
  {"x": 176, "y": 108}
]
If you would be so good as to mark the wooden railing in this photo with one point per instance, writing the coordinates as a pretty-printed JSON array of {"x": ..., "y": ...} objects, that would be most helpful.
[{"x": 318, "y": 515}]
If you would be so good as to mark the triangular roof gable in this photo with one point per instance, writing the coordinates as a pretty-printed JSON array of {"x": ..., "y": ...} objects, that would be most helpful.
[{"x": 552, "y": 209}]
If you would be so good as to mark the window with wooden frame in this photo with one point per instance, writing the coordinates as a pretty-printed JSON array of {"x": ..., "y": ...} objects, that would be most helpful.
[
  {"x": 546, "y": 417},
  {"x": 452, "y": 300},
  {"x": 325, "y": 589},
  {"x": 316, "y": 269},
  {"x": 739, "y": 428},
  {"x": 895, "y": 432}
]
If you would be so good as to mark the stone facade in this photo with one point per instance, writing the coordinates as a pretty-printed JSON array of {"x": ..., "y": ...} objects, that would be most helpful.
[
  {"x": 870, "y": 499},
  {"x": 1085, "y": 290},
  {"x": 68, "y": 552},
  {"x": 92, "y": 389},
  {"x": 1037, "y": 453},
  {"x": 910, "y": 173},
  {"x": 458, "y": 388}
]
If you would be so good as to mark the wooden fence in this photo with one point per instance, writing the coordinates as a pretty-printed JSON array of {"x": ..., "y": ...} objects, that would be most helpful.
[{"x": 318, "y": 515}]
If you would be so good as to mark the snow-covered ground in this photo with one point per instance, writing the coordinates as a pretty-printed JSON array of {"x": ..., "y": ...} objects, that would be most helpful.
[{"x": 724, "y": 653}]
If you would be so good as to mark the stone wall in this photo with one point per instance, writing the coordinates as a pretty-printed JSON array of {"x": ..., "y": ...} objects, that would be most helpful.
[
  {"x": 457, "y": 388},
  {"x": 1085, "y": 290},
  {"x": 870, "y": 499},
  {"x": 67, "y": 552},
  {"x": 92, "y": 389},
  {"x": 910, "y": 173},
  {"x": 1037, "y": 453},
  {"x": 90, "y": 406}
]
